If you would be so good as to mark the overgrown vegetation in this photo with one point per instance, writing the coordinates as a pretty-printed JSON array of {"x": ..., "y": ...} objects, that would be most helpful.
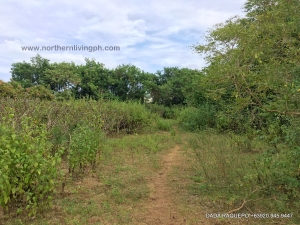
[
  {"x": 36, "y": 135},
  {"x": 253, "y": 75},
  {"x": 28, "y": 169},
  {"x": 108, "y": 193},
  {"x": 243, "y": 109},
  {"x": 232, "y": 174}
]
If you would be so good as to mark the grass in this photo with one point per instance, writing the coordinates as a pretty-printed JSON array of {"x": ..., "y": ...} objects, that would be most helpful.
[
  {"x": 111, "y": 193},
  {"x": 213, "y": 177},
  {"x": 216, "y": 178}
]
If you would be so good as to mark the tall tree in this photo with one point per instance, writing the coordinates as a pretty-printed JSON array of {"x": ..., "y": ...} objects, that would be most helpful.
[
  {"x": 94, "y": 80},
  {"x": 127, "y": 82},
  {"x": 62, "y": 76},
  {"x": 30, "y": 74},
  {"x": 174, "y": 86}
]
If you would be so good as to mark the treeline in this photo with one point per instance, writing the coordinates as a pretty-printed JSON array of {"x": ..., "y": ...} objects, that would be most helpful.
[{"x": 171, "y": 86}]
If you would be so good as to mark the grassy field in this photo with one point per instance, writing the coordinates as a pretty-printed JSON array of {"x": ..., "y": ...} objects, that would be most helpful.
[
  {"x": 111, "y": 193},
  {"x": 163, "y": 177}
]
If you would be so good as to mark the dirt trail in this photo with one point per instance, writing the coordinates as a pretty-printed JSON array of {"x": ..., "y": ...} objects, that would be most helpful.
[{"x": 160, "y": 209}]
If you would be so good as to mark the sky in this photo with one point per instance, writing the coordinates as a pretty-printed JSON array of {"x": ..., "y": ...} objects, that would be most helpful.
[{"x": 150, "y": 35}]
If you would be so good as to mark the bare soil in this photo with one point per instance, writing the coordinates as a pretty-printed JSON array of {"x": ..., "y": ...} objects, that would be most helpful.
[{"x": 160, "y": 209}]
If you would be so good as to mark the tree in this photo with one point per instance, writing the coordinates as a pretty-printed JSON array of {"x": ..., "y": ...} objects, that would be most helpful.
[
  {"x": 62, "y": 76},
  {"x": 174, "y": 86},
  {"x": 30, "y": 74},
  {"x": 127, "y": 83},
  {"x": 94, "y": 80},
  {"x": 257, "y": 58}
]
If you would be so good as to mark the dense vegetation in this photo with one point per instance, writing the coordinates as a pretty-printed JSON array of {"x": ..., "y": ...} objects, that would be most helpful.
[
  {"x": 254, "y": 74},
  {"x": 245, "y": 103}
]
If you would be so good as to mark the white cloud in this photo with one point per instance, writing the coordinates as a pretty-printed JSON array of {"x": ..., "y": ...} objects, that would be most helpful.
[{"x": 151, "y": 35}]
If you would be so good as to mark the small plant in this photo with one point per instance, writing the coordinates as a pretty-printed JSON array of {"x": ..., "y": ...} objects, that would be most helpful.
[{"x": 85, "y": 143}]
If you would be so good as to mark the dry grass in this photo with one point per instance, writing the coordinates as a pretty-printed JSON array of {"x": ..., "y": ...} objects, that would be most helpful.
[
  {"x": 110, "y": 194},
  {"x": 202, "y": 182},
  {"x": 143, "y": 179}
]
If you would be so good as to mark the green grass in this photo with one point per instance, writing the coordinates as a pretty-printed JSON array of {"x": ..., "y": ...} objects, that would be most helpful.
[
  {"x": 110, "y": 194},
  {"x": 216, "y": 175},
  {"x": 219, "y": 176}
]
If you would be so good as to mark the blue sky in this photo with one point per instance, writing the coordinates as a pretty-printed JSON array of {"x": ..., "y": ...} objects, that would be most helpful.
[{"x": 151, "y": 35}]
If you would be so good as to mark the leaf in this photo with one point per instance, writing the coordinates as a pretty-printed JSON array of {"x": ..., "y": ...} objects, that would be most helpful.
[{"x": 5, "y": 199}]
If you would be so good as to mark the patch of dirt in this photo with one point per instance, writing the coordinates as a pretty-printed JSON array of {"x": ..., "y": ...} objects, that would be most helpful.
[
  {"x": 160, "y": 209},
  {"x": 88, "y": 182}
]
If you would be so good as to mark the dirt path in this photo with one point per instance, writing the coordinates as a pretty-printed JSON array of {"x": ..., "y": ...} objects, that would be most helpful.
[{"x": 160, "y": 208}]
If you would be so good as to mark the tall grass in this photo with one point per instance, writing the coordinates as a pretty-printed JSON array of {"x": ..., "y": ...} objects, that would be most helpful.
[{"x": 242, "y": 177}]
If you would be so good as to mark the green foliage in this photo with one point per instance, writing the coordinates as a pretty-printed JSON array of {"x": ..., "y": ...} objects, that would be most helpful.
[
  {"x": 229, "y": 174},
  {"x": 34, "y": 137},
  {"x": 129, "y": 83},
  {"x": 7, "y": 90},
  {"x": 233, "y": 121},
  {"x": 61, "y": 76},
  {"x": 221, "y": 166},
  {"x": 127, "y": 117},
  {"x": 14, "y": 89},
  {"x": 253, "y": 74},
  {"x": 163, "y": 125},
  {"x": 30, "y": 74},
  {"x": 28, "y": 169},
  {"x": 174, "y": 86},
  {"x": 85, "y": 143},
  {"x": 256, "y": 58},
  {"x": 278, "y": 171},
  {"x": 95, "y": 79},
  {"x": 200, "y": 118},
  {"x": 38, "y": 91},
  {"x": 163, "y": 111}
]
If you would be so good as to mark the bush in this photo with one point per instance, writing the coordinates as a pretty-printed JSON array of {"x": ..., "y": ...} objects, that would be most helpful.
[
  {"x": 164, "y": 125},
  {"x": 162, "y": 111},
  {"x": 28, "y": 169},
  {"x": 85, "y": 143},
  {"x": 200, "y": 118},
  {"x": 128, "y": 117},
  {"x": 14, "y": 89},
  {"x": 278, "y": 172},
  {"x": 227, "y": 171}
]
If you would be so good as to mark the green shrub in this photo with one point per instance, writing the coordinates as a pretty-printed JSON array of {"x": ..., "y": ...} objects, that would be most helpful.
[
  {"x": 228, "y": 172},
  {"x": 162, "y": 111},
  {"x": 28, "y": 170},
  {"x": 128, "y": 117},
  {"x": 157, "y": 109},
  {"x": 85, "y": 143},
  {"x": 200, "y": 118},
  {"x": 232, "y": 121},
  {"x": 278, "y": 172},
  {"x": 163, "y": 125},
  {"x": 7, "y": 90}
]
